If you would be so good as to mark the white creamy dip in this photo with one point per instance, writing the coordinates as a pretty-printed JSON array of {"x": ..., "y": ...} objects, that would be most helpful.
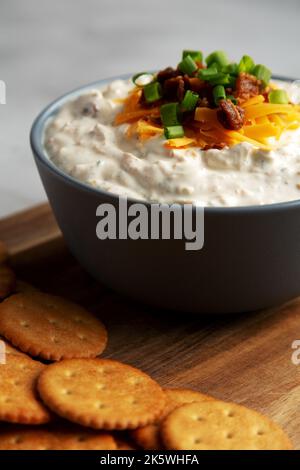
[{"x": 83, "y": 142}]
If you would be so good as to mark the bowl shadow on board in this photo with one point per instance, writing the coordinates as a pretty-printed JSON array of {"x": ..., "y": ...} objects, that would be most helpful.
[
  {"x": 250, "y": 259},
  {"x": 136, "y": 331}
]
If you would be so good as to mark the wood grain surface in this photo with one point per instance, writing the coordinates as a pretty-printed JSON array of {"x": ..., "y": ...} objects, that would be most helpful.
[{"x": 241, "y": 358}]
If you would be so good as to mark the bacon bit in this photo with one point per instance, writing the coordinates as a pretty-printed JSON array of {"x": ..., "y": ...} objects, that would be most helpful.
[
  {"x": 166, "y": 74},
  {"x": 230, "y": 116},
  {"x": 203, "y": 103},
  {"x": 180, "y": 89},
  {"x": 217, "y": 146},
  {"x": 196, "y": 85},
  {"x": 247, "y": 86},
  {"x": 174, "y": 88}
]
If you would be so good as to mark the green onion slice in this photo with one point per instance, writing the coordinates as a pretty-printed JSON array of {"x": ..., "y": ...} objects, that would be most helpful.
[
  {"x": 143, "y": 78},
  {"x": 174, "y": 132},
  {"x": 152, "y": 92},
  {"x": 219, "y": 57},
  {"x": 195, "y": 55},
  {"x": 278, "y": 97},
  {"x": 207, "y": 74},
  {"x": 189, "y": 101},
  {"x": 232, "y": 69},
  {"x": 187, "y": 65},
  {"x": 232, "y": 81},
  {"x": 169, "y": 114},
  {"x": 246, "y": 64},
  {"x": 221, "y": 79},
  {"x": 262, "y": 73},
  {"x": 219, "y": 94}
]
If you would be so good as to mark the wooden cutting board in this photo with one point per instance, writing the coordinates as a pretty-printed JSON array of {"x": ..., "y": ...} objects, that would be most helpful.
[{"x": 243, "y": 358}]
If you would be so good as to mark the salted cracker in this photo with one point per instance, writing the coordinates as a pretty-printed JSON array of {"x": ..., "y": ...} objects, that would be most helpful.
[{"x": 101, "y": 393}]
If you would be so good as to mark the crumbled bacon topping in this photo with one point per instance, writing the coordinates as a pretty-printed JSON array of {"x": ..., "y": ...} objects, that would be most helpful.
[
  {"x": 247, "y": 86},
  {"x": 216, "y": 146},
  {"x": 167, "y": 73},
  {"x": 195, "y": 84},
  {"x": 174, "y": 88},
  {"x": 230, "y": 116}
]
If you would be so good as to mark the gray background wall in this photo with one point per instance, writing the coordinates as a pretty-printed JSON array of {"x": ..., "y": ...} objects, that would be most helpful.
[{"x": 49, "y": 47}]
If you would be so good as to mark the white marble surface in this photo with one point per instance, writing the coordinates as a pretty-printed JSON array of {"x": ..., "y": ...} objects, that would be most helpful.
[{"x": 47, "y": 48}]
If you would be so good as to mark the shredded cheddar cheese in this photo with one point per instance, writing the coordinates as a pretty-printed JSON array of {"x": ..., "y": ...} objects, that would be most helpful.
[{"x": 262, "y": 121}]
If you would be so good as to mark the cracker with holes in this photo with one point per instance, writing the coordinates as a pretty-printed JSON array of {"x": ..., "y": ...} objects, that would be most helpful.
[
  {"x": 101, "y": 393},
  {"x": 55, "y": 438},
  {"x": 7, "y": 281},
  {"x": 3, "y": 253},
  {"x": 9, "y": 349},
  {"x": 50, "y": 327},
  {"x": 148, "y": 437},
  {"x": 217, "y": 425},
  {"x": 19, "y": 401}
]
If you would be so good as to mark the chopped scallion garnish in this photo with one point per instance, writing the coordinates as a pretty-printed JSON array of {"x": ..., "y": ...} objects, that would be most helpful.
[
  {"x": 232, "y": 81},
  {"x": 189, "y": 101},
  {"x": 232, "y": 69},
  {"x": 214, "y": 77},
  {"x": 152, "y": 92},
  {"x": 143, "y": 78},
  {"x": 207, "y": 74},
  {"x": 218, "y": 57},
  {"x": 219, "y": 94},
  {"x": 169, "y": 114},
  {"x": 187, "y": 65},
  {"x": 220, "y": 79},
  {"x": 174, "y": 132},
  {"x": 278, "y": 97},
  {"x": 262, "y": 73},
  {"x": 195, "y": 55},
  {"x": 246, "y": 64}
]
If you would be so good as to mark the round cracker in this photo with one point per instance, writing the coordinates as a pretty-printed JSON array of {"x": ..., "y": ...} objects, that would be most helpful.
[
  {"x": 148, "y": 437},
  {"x": 19, "y": 401},
  {"x": 7, "y": 281},
  {"x": 101, "y": 393},
  {"x": 51, "y": 327},
  {"x": 9, "y": 349},
  {"x": 3, "y": 253},
  {"x": 218, "y": 425},
  {"x": 67, "y": 438}
]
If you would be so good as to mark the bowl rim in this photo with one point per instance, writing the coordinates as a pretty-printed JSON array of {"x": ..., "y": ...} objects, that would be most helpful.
[{"x": 37, "y": 146}]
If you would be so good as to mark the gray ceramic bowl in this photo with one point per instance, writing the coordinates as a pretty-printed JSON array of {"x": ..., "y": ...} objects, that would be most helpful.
[{"x": 250, "y": 259}]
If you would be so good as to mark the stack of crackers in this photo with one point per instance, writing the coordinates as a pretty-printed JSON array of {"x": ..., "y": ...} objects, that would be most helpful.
[{"x": 56, "y": 393}]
